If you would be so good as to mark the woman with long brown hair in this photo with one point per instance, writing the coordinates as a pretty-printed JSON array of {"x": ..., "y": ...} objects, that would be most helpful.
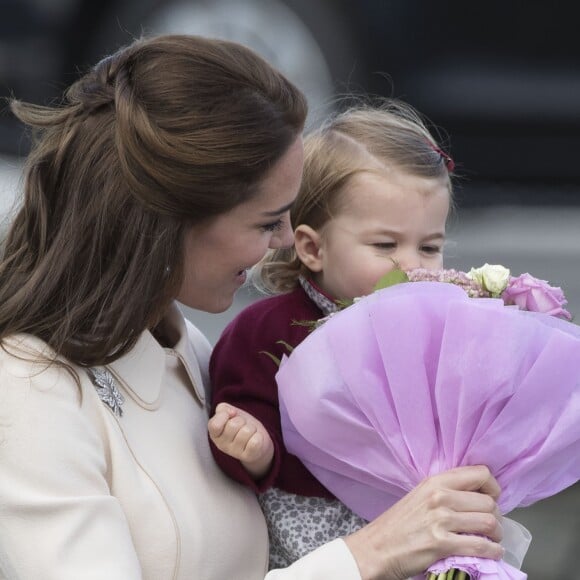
[{"x": 164, "y": 175}]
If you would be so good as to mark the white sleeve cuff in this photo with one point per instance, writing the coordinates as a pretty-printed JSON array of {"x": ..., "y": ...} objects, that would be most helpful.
[{"x": 333, "y": 560}]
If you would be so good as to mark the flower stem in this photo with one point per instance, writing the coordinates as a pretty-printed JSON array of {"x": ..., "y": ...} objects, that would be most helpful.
[{"x": 452, "y": 574}]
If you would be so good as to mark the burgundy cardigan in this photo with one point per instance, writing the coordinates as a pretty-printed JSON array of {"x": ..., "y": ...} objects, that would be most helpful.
[{"x": 241, "y": 374}]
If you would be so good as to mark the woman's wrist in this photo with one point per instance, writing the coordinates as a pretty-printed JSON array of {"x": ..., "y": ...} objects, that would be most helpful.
[{"x": 372, "y": 561}]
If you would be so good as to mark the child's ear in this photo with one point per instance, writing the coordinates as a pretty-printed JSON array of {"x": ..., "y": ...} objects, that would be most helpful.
[{"x": 307, "y": 243}]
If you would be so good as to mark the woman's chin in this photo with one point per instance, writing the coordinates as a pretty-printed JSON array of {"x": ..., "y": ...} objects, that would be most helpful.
[{"x": 241, "y": 277}]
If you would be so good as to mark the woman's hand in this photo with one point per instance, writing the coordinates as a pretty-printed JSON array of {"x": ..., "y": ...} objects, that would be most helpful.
[
  {"x": 240, "y": 435},
  {"x": 453, "y": 513}
]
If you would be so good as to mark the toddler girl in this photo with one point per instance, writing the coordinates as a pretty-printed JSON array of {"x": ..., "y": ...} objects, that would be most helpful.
[{"x": 375, "y": 195}]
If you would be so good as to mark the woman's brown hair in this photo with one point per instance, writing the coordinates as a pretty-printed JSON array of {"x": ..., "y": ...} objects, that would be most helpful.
[
  {"x": 167, "y": 132},
  {"x": 365, "y": 137}
]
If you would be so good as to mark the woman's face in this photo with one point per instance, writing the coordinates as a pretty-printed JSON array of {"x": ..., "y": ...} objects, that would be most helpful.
[{"x": 219, "y": 253}]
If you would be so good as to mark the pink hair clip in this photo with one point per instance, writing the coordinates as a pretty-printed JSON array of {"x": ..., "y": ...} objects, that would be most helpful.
[{"x": 449, "y": 163}]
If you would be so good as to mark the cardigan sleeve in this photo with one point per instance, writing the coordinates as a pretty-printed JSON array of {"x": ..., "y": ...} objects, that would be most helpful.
[
  {"x": 242, "y": 373},
  {"x": 58, "y": 519}
]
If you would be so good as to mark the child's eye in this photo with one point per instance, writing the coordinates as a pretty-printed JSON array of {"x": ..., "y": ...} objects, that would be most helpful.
[
  {"x": 273, "y": 227},
  {"x": 385, "y": 245},
  {"x": 431, "y": 249}
]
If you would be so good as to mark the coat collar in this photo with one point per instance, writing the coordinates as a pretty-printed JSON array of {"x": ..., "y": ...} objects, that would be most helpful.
[{"x": 142, "y": 370}]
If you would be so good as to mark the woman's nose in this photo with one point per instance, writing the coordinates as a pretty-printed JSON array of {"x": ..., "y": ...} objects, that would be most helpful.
[{"x": 282, "y": 239}]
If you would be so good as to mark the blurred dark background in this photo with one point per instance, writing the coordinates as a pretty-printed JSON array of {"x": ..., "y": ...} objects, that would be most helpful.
[{"x": 499, "y": 80}]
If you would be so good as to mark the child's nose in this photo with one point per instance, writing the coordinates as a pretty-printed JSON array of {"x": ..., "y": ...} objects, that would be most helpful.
[{"x": 408, "y": 259}]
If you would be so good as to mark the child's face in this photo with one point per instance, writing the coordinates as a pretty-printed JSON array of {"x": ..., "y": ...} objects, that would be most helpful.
[{"x": 383, "y": 220}]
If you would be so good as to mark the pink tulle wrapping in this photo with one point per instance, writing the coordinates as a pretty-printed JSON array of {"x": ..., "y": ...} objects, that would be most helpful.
[{"x": 418, "y": 378}]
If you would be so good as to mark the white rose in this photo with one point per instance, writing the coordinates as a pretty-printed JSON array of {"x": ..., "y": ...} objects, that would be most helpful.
[{"x": 492, "y": 277}]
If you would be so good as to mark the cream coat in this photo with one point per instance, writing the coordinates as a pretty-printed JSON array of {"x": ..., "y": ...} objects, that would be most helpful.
[{"x": 86, "y": 494}]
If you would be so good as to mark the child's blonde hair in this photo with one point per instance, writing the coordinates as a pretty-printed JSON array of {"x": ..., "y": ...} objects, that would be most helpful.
[{"x": 363, "y": 138}]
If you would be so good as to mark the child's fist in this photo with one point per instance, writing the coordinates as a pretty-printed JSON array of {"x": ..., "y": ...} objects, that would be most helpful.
[{"x": 240, "y": 435}]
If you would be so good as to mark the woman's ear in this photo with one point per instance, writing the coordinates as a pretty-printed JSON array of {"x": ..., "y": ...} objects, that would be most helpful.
[{"x": 307, "y": 243}]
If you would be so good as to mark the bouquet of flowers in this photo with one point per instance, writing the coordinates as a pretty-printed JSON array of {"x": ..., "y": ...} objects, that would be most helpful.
[{"x": 420, "y": 377}]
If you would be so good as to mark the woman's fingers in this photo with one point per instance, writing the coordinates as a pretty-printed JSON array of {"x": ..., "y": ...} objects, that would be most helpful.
[
  {"x": 453, "y": 513},
  {"x": 464, "y": 501},
  {"x": 466, "y": 512},
  {"x": 474, "y": 545},
  {"x": 485, "y": 525},
  {"x": 482, "y": 524},
  {"x": 469, "y": 478}
]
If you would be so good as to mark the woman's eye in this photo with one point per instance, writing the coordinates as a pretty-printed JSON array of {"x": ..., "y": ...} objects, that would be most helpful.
[{"x": 273, "y": 227}]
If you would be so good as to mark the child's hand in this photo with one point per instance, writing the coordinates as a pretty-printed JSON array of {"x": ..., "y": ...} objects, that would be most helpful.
[{"x": 240, "y": 435}]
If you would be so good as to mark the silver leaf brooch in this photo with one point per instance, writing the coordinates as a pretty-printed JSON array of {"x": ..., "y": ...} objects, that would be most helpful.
[{"x": 107, "y": 389}]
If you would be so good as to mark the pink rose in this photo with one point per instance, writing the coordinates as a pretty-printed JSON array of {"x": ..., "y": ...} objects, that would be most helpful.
[{"x": 529, "y": 293}]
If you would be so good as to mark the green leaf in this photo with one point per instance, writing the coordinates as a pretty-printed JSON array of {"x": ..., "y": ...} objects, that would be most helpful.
[
  {"x": 289, "y": 347},
  {"x": 343, "y": 303},
  {"x": 391, "y": 278},
  {"x": 311, "y": 324},
  {"x": 273, "y": 357},
  {"x": 276, "y": 360}
]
